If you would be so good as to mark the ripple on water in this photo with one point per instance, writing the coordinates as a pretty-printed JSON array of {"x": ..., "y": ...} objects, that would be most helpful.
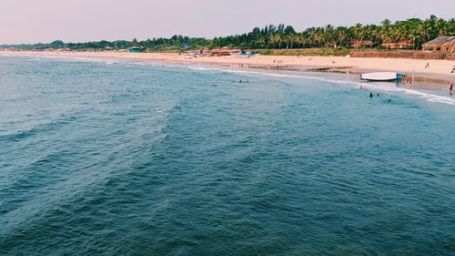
[{"x": 131, "y": 159}]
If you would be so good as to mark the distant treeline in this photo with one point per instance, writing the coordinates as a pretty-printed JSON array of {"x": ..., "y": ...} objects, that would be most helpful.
[{"x": 412, "y": 32}]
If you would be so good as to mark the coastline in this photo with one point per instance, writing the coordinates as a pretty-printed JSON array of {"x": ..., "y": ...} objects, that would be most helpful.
[{"x": 436, "y": 76}]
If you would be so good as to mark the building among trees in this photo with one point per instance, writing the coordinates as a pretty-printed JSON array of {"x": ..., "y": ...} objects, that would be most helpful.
[
  {"x": 442, "y": 43},
  {"x": 398, "y": 45},
  {"x": 362, "y": 43},
  {"x": 404, "y": 34}
]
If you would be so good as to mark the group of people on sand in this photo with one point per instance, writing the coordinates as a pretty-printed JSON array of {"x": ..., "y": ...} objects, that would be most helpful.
[
  {"x": 408, "y": 81},
  {"x": 427, "y": 65}
]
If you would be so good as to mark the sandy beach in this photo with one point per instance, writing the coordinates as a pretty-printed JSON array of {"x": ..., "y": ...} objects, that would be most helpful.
[{"x": 439, "y": 71}]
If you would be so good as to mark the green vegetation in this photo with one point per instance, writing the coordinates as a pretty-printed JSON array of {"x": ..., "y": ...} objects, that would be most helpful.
[
  {"x": 306, "y": 52},
  {"x": 329, "y": 40}
]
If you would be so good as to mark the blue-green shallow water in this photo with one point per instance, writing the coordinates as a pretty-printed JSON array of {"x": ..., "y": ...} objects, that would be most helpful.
[{"x": 128, "y": 159}]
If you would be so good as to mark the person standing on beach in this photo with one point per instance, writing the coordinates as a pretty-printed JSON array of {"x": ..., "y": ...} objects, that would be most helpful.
[{"x": 450, "y": 88}]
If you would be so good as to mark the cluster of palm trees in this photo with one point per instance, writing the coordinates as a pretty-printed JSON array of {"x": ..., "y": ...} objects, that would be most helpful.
[{"x": 414, "y": 32}]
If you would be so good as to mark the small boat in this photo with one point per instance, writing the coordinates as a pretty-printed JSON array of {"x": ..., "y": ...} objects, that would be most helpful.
[{"x": 381, "y": 76}]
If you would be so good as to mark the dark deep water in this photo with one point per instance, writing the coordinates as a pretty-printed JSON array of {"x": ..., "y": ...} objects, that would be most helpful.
[{"x": 127, "y": 159}]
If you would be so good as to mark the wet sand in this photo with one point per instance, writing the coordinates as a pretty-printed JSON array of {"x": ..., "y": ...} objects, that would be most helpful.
[{"x": 436, "y": 76}]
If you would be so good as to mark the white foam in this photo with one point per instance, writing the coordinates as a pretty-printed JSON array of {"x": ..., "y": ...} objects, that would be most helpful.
[
  {"x": 204, "y": 69},
  {"x": 388, "y": 87},
  {"x": 431, "y": 97}
]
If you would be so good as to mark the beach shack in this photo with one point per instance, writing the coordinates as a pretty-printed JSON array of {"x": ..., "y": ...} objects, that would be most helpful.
[
  {"x": 222, "y": 52},
  {"x": 440, "y": 44},
  {"x": 398, "y": 45},
  {"x": 449, "y": 46}
]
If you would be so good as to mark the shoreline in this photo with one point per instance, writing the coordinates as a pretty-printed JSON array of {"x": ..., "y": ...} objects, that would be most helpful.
[{"x": 436, "y": 76}]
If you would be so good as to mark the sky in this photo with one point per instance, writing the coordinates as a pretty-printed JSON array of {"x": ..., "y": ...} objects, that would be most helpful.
[{"x": 33, "y": 21}]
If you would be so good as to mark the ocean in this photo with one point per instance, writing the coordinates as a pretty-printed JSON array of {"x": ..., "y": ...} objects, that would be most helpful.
[{"x": 106, "y": 157}]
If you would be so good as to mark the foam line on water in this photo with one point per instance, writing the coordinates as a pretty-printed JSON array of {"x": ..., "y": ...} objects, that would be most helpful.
[
  {"x": 373, "y": 86},
  {"x": 388, "y": 87}
]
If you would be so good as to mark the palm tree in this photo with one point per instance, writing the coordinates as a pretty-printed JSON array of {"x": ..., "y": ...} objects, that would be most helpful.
[{"x": 358, "y": 32}]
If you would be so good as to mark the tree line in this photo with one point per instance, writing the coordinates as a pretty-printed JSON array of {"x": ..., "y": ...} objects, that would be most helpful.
[{"x": 415, "y": 32}]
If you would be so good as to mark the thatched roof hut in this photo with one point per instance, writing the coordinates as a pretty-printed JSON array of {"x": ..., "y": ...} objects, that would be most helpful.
[
  {"x": 449, "y": 46},
  {"x": 224, "y": 52},
  {"x": 442, "y": 43},
  {"x": 220, "y": 52}
]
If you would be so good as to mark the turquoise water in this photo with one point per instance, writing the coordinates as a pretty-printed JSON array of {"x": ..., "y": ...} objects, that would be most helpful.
[{"x": 118, "y": 158}]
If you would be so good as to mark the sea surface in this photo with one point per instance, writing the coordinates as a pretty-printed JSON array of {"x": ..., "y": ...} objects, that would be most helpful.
[{"x": 122, "y": 158}]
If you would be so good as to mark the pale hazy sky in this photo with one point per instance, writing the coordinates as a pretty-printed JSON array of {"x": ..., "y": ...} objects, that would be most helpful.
[{"x": 27, "y": 21}]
